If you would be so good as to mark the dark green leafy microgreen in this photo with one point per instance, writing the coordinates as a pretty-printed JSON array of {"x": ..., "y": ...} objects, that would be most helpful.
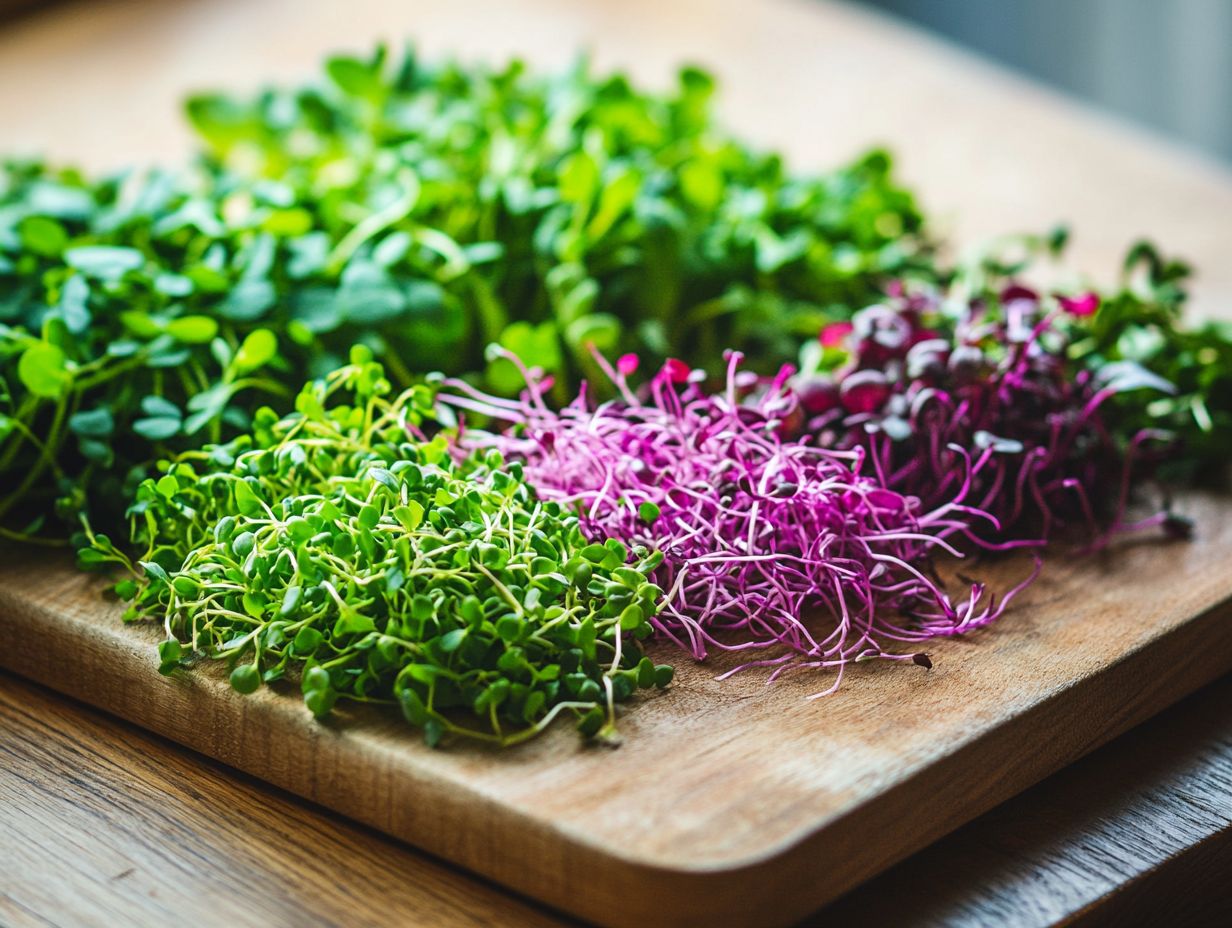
[
  {"x": 552, "y": 213},
  {"x": 1138, "y": 327},
  {"x": 114, "y": 347},
  {"x": 338, "y": 544},
  {"x": 421, "y": 209}
]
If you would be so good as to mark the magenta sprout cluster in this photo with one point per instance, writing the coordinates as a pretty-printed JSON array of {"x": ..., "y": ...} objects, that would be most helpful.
[{"x": 770, "y": 544}]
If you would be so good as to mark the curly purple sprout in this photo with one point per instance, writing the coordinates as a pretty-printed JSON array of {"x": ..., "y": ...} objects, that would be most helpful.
[{"x": 769, "y": 543}]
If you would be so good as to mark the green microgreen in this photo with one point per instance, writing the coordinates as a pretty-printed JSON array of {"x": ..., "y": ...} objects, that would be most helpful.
[
  {"x": 1138, "y": 327},
  {"x": 339, "y": 544},
  {"x": 423, "y": 209}
]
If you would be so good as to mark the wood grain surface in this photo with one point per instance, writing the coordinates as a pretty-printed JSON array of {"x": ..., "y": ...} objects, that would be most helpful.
[
  {"x": 1139, "y": 833},
  {"x": 770, "y": 805},
  {"x": 799, "y": 800},
  {"x": 102, "y": 824}
]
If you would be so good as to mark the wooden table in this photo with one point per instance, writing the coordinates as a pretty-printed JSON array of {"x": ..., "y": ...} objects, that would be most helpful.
[{"x": 102, "y": 824}]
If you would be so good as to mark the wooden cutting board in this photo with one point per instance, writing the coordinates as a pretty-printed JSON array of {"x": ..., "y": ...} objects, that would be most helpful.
[
  {"x": 732, "y": 802},
  {"x": 729, "y": 802}
]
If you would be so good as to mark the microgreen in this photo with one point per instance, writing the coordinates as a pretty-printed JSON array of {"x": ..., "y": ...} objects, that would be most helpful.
[
  {"x": 560, "y": 211},
  {"x": 339, "y": 544},
  {"x": 994, "y": 407},
  {"x": 423, "y": 210},
  {"x": 767, "y": 543},
  {"x": 1138, "y": 326},
  {"x": 1053, "y": 406}
]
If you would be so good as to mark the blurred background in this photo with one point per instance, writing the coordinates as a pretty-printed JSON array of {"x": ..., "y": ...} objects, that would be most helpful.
[{"x": 1164, "y": 63}]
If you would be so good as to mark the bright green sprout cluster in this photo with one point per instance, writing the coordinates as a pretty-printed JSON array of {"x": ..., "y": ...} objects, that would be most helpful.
[{"x": 339, "y": 543}]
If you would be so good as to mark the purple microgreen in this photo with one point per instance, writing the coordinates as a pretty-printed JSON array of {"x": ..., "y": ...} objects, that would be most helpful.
[{"x": 768, "y": 544}]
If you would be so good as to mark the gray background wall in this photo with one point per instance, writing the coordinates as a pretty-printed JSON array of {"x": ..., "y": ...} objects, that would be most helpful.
[{"x": 1165, "y": 63}]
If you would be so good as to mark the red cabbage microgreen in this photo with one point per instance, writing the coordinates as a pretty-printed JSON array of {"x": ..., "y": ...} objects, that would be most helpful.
[{"x": 995, "y": 410}]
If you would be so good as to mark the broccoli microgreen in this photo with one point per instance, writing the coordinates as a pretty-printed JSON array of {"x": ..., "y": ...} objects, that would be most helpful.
[{"x": 340, "y": 544}]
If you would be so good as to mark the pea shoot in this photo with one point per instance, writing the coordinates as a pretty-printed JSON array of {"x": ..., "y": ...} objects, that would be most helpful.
[{"x": 339, "y": 544}]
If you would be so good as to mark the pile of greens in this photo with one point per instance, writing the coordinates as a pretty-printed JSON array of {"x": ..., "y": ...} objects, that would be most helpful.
[
  {"x": 513, "y": 230},
  {"x": 563, "y": 211},
  {"x": 339, "y": 544},
  {"x": 1158, "y": 378},
  {"x": 423, "y": 210},
  {"x": 1139, "y": 324}
]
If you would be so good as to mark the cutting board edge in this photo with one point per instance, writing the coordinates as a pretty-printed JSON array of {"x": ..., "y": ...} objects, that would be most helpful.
[
  {"x": 1021, "y": 766},
  {"x": 641, "y": 892}
]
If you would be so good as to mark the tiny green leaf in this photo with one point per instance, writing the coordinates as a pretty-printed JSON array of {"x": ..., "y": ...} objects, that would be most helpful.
[
  {"x": 258, "y": 349},
  {"x": 245, "y": 679},
  {"x": 192, "y": 330},
  {"x": 42, "y": 369},
  {"x": 107, "y": 262}
]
